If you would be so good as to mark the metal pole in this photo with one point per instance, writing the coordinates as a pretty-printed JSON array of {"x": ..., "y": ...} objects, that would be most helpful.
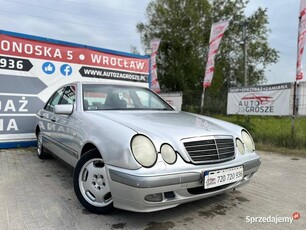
[
  {"x": 245, "y": 56},
  {"x": 295, "y": 97},
  {"x": 202, "y": 100},
  {"x": 150, "y": 72},
  {"x": 294, "y": 109}
]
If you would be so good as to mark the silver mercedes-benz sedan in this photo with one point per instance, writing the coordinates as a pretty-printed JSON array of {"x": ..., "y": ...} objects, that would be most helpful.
[{"x": 131, "y": 150}]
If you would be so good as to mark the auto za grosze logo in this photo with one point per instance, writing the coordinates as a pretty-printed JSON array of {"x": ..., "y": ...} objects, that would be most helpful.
[{"x": 255, "y": 103}]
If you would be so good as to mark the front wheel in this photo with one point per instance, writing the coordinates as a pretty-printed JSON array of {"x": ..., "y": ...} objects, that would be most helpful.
[
  {"x": 91, "y": 185},
  {"x": 40, "y": 148}
]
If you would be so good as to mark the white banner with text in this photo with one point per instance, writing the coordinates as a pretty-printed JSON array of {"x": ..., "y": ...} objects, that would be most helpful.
[
  {"x": 32, "y": 68},
  {"x": 274, "y": 100}
]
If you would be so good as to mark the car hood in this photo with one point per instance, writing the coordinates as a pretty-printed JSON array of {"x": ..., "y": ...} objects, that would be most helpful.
[
  {"x": 169, "y": 124},
  {"x": 166, "y": 126}
]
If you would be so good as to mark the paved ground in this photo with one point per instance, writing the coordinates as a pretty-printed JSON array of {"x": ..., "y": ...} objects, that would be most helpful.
[{"x": 36, "y": 194}]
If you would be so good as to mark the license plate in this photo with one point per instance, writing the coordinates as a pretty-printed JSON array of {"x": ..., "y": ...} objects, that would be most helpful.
[{"x": 223, "y": 176}]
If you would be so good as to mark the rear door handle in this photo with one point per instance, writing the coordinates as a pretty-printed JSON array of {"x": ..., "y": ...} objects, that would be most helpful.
[{"x": 53, "y": 119}]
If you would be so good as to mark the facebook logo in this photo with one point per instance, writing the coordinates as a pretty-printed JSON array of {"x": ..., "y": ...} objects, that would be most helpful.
[
  {"x": 48, "y": 68},
  {"x": 66, "y": 70}
]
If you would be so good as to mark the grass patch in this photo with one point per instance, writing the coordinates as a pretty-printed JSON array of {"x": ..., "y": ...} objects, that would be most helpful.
[
  {"x": 282, "y": 150},
  {"x": 274, "y": 133}
]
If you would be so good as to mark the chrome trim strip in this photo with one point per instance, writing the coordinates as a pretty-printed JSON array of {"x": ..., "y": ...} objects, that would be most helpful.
[{"x": 203, "y": 138}]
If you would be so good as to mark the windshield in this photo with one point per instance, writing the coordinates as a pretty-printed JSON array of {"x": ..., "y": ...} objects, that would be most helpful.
[{"x": 112, "y": 97}]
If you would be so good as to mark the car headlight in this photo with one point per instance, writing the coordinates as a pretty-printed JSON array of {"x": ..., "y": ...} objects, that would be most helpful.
[
  {"x": 168, "y": 154},
  {"x": 143, "y": 151},
  {"x": 248, "y": 141},
  {"x": 240, "y": 146}
]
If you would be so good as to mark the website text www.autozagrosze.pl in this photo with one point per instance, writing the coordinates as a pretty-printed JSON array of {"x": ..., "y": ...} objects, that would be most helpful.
[{"x": 112, "y": 74}]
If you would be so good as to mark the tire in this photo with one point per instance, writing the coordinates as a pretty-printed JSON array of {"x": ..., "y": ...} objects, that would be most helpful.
[
  {"x": 40, "y": 148},
  {"x": 91, "y": 185}
]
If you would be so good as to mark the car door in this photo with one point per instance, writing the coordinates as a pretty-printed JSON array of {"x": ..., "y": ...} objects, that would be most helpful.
[
  {"x": 47, "y": 119},
  {"x": 65, "y": 132},
  {"x": 60, "y": 128}
]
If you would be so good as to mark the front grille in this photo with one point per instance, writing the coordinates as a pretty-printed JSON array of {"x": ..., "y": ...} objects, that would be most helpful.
[{"x": 212, "y": 150}]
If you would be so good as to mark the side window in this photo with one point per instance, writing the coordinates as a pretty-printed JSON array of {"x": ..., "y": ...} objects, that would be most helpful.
[
  {"x": 65, "y": 95},
  {"x": 68, "y": 96},
  {"x": 54, "y": 100}
]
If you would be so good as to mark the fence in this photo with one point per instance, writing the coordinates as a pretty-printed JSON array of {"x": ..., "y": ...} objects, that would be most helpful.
[
  {"x": 213, "y": 104},
  {"x": 272, "y": 131}
]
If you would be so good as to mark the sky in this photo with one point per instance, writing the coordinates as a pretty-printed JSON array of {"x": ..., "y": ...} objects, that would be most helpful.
[{"x": 111, "y": 24}]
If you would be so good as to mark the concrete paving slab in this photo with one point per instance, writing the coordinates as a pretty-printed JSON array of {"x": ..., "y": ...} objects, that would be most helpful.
[{"x": 38, "y": 194}]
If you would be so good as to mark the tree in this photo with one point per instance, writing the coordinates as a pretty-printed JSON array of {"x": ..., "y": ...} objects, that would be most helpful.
[
  {"x": 184, "y": 28},
  {"x": 134, "y": 50},
  {"x": 231, "y": 51}
]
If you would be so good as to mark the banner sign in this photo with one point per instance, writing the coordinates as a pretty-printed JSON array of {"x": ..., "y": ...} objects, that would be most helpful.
[
  {"x": 174, "y": 99},
  {"x": 301, "y": 40},
  {"x": 301, "y": 98},
  {"x": 275, "y": 100},
  {"x": 32, "y": 68},
  {"x": 216, "y": 34},
  {"x": 154, "y": 80}
]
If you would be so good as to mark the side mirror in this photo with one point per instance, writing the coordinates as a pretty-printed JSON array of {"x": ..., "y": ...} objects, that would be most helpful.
[{"x": 63, "y": 109}]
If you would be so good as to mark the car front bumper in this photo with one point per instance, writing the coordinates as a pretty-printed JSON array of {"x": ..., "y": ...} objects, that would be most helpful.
[{"x": 152, "y": 193}]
